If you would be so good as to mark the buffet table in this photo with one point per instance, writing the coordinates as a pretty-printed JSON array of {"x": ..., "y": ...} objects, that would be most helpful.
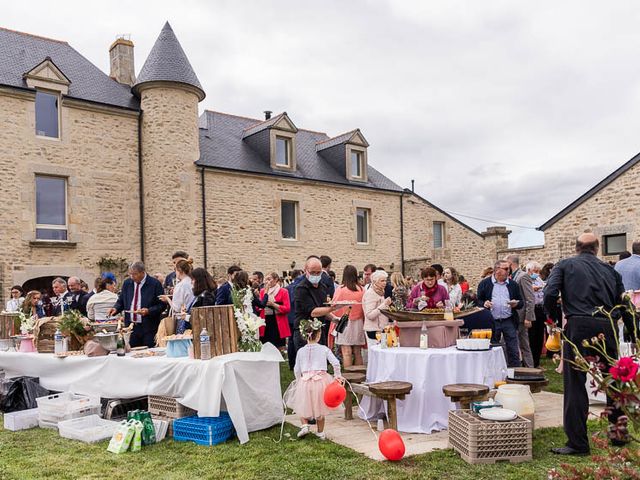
[
  {"x": 426, "y": 408},
  {"x": 248, "y": 382}
]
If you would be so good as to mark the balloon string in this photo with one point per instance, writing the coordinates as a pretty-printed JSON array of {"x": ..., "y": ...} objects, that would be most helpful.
[{"x": 360, "y": 409}]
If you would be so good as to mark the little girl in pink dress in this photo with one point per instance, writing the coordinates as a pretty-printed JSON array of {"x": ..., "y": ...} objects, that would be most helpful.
[{"x": 306, "y": 397}]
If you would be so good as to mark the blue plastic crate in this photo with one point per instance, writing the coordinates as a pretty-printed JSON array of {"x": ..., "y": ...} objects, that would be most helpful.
[{"x": 203, "y": 430}]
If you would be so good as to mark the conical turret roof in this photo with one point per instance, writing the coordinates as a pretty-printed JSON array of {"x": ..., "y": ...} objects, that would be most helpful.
[{"x": 167, "y": 62}]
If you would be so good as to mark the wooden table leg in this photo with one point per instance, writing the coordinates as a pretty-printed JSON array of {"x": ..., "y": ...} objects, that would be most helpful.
[
  {"x": 348, "y": 407},
  {"x": 393, "y": 413}
]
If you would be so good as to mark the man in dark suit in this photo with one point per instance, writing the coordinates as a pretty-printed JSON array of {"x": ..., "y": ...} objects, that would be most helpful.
[
  {"x": 223, "y": 294},
  {"x": 139, "y": 297},
  {"x": 503, "y": 298},
  {"x": 76, "y": 296}
]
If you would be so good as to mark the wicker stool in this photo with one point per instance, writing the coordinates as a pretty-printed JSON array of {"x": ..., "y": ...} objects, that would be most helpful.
[{"x": 465, "y": 393}]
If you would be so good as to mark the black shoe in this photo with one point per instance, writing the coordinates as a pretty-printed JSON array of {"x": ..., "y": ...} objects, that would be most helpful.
[
  {"x": 312, "y": 421},
  {"x": 569, "y": 451}
]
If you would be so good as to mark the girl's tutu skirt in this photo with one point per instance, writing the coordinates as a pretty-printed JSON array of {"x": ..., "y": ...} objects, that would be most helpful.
[{"x": 306, "y": 394}]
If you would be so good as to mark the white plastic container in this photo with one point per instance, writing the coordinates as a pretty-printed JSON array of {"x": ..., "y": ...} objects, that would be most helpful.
[
  {"x": 65, "y": 406},
  {"x": 517, "y": 398},
  {"x": 89, "y": 429},
  {"x": 21, "y": 420}
]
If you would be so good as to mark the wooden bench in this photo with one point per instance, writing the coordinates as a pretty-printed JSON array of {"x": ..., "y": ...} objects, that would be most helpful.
[
  {"x": 387, "y": 391},
  {"x": 465, "y": 393}
]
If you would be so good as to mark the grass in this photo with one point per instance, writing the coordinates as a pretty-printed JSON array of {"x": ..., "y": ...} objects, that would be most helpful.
[{"x": 41, "y": 453}]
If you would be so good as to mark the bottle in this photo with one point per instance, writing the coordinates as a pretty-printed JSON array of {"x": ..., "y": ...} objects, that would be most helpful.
[
  {"x": 383, "y": 340},
  {"x": 205, "y": 345},
  {"x": 59, "y": 342},
  {"x": 120, "y": 345},
  {"x": 424, "y": 336}
]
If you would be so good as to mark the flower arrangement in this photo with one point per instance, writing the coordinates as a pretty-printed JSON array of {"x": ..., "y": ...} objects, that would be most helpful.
[
  {"x": 27, "y": 324},
  {"x": 621, "y": 382},
  {"x": 72, "y": 323},
  {"x": 248, "y": 322}
]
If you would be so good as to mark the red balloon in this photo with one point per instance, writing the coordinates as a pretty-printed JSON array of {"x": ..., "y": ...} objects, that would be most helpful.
[
  {"x": 334, "y": 394},
  {"x": 391, "y": 445}
]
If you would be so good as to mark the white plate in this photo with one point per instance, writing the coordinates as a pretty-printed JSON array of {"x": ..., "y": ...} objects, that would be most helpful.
[{"x": 498, "y": 414}]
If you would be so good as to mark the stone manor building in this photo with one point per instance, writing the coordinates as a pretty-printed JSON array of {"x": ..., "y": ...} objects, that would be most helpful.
[{"x": 100, "y": 170}]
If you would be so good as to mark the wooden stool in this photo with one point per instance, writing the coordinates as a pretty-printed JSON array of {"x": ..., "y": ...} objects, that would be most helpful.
[
  {"x": 352, "y": 378},
  {"x": 390, "y": 391},
  {"x": 465, "y": 393},
  {"x": 355, "y": 368},
  {"x": 534, "y": 377}
]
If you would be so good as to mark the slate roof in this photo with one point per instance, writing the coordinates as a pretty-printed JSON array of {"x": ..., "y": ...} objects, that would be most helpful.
[
  {"x": 332, "y": 142},
  {"x": 222, "y": 147},
  {"x": 591, "y": 192},
  {"x": 168, "y": 62},
  {"x": 259, "y": 127},
  {"x": 21, "y": 52}
]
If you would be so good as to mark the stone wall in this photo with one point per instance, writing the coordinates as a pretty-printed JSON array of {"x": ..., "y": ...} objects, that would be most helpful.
[
  {"x": 97, "y": 153},
  {"x": 243, "y": 224},
  {"x": 614, "y": 209},
  {"x": 170, "y": 146},
  {"x": 463, "y": 248}
]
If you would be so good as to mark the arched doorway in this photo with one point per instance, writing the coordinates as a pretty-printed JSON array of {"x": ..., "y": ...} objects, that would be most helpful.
[{"x": 42, "y": 284}]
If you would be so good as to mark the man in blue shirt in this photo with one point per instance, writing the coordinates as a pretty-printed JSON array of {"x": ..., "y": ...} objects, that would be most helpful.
[
  {"x": 502, "y": 297},
  {"x": 629, "y": 269}
]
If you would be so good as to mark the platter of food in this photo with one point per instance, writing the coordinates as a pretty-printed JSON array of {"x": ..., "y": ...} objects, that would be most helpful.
[
  {"x": 428, "y": 314},
  {"x": 69, "y": 354}
]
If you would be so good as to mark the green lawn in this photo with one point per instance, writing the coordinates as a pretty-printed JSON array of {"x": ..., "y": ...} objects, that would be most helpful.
[{"x": 40, "y": 453}]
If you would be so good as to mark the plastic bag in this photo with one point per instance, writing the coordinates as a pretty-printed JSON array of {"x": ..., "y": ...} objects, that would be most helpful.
[
  {"x": 136, "y": 444},
  {"x": 22, "y": 394},
  {"x": 122, "y": 437}
]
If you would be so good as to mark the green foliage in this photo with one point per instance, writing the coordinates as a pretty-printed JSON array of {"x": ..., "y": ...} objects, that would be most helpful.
[{"x": 71, "y": 323}]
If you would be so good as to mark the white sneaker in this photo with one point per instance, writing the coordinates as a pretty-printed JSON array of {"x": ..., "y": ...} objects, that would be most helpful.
[
  {"x": 321, "y": 435},
  {"x": 303, "y": 431}
]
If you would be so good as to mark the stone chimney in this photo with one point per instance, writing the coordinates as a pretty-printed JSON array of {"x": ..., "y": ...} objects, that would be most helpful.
[
  {"x": 496, "y": 241},
  {"x": 121, "y": 60}
]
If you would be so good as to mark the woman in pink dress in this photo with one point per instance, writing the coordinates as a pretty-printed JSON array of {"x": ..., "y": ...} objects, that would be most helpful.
[{"x": 352, "y": 338}]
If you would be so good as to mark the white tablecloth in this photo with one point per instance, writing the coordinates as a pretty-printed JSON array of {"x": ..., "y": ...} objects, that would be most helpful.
[
  {"x": 426, "y": 409},
  {"x": 248, "y": 382}
]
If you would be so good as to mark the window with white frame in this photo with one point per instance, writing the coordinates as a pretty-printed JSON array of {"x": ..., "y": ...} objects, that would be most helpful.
[
  {"x": 51, "y": 208},
  {"x": 283, "y": 151},
  {"x": 47, "y": 114},
  {"x": 289, "y": 219},
  {"x": 356, "y": 164},
  {"x": 438, "y": 234},
  {"x": 614, "y": 244},
  {"x": 362, "y": 225}
]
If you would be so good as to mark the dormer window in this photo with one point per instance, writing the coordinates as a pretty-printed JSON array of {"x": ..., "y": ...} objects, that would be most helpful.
[
  {"x": 356, "y": 164},
  {"x": 283, "y": 152},
  {"x": 47, "y": 114}
]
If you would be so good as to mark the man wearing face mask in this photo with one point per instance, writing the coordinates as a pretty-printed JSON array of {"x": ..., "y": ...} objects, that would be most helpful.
[{"x": 311, "y": 294}]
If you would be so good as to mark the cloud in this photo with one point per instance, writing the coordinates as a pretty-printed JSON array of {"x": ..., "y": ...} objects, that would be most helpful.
[{"x": 498, "y": 109}]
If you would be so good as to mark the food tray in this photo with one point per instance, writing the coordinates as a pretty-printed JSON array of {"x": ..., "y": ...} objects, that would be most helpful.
[
  {"x": 483, "y": 441},
  {"x": 415, "y": 316},
  {"x": 168, "y": 407},
  {"x": 65, "y": 406},
  {"x": 203, "y": 430},
  {"x": 89, "y": 429},
  {"x": 21, "y": 420}
]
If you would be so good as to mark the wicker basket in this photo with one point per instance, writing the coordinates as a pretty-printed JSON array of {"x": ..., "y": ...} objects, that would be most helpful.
[
  {"x": 484, "y": 441},
  {"x": 168, "y": 407}
]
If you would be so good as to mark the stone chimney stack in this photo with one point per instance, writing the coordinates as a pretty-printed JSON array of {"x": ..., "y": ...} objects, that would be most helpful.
[{"x": 121, "y": 60}]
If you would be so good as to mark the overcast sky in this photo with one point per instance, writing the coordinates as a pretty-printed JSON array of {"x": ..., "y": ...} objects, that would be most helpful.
[{"x": 500, "y": 110}]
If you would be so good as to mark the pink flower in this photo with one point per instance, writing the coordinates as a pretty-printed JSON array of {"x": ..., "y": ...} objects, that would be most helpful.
[{"x": 624, "y": 370}]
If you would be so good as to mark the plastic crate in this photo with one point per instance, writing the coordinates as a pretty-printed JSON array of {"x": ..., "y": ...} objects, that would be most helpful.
[
  {"x": 21, "y": 420},
  {"x": 485, "y": 441},
  {"x": 89, "y": 429},
  {"x": 168, "y": 407},
  {"x": 203, "y": 430},
  {"x": 168, "y": 420},
  {"x": 65, "y": 406}
]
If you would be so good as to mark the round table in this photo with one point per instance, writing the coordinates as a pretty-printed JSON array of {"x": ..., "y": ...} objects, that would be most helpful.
[{"x": 426, "y": 408}]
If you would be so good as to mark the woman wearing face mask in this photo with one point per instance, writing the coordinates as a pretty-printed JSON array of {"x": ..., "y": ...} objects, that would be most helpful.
[
  {"x": 454, "y": 289},
  {"x": 536, "y": 332},
  {"x": 32, "y": 306},
  {"x": 275, "y": 307},
  {"x": 16, "y": 300},
  {"x": 428, "y": 293}
]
